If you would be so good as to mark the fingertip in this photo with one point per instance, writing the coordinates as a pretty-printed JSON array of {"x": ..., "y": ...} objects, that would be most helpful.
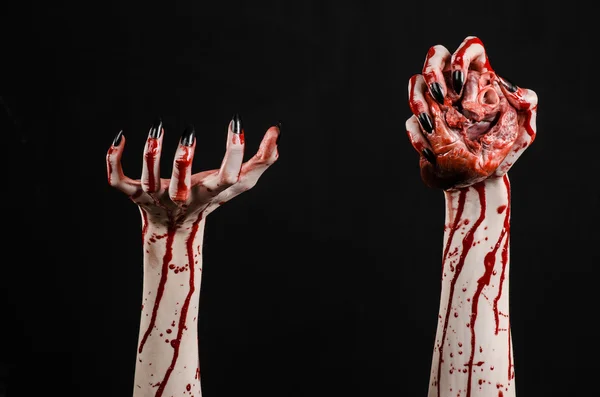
[
  {"x": 188, "y": 137},
  {"x": 437, "y": 92},
  {"x": 157, "y": 129},
  {"x": 235, "y": 125},
  {"x": 118, "y": 139},
  {"x": 508, "y": 85}
]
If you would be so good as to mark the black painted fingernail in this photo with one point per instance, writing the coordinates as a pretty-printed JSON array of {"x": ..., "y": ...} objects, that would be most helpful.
[
  {"x": 458, "y": 79},
  {"x": 187, "y": 138},
  {"x": 279, "y": 125},
  {"x": 508, "y": 85},
  {"x": 236, "y": 124},
  {"x": 436, "y": 92},
  {"x": 156, "y": 129},
  {"x": 426, "y": 122},
  {"x": 429, "y": 155},
  {"x": 117, "y": 139}
]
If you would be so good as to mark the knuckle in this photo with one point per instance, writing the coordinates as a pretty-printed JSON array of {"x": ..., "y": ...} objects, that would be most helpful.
[{"x": 228, "y": 179}]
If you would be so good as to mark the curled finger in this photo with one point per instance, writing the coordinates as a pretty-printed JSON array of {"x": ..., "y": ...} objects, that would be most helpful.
[
  {"x": 252, "y": 170},
  {"x": 433, "y": 68},
  {"x": 418, "y": 103},
  {"x": 470, "y": 54}
]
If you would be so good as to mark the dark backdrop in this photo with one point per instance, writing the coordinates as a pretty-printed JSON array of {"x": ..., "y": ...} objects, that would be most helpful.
[{"x": 332, "y": 288}]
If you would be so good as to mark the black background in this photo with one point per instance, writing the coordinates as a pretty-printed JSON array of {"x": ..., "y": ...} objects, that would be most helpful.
[{"x": 324, "y": 279}]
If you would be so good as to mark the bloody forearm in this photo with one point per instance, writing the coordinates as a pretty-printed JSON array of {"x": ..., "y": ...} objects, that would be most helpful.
[
  {"x": 167, "y": 359},
  {"x": 472, "y": 354}
]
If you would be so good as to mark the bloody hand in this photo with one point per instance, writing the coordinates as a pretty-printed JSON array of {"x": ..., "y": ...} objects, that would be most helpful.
[
  {"x": 468, "y": 123},
  {"x": 176, "y": 200}
]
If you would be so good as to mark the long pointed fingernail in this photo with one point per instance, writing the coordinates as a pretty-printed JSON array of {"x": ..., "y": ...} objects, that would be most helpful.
[
  {"x": 426, "y": 122},
  {"x": 236, "y": 124},
  {"x": 437, "y": 92},
  {"x": 187, "y": 138},
  {"x": 156, "y": 129},
  {"x": 458, "y": 79},
  {"x": 279, "y": 125},
  {"x": 117, "y": 140},
  {"x": 428, "y": 154},
  {"x": 508, "y": 85}
]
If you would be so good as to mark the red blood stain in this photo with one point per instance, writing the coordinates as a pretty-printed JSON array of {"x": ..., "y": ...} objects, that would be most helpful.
[
  {"x": 481, "y": 283},
  {"x": 416, "y": 107},
  {"x": 467, "y": 243},
  {"x": 111, "y": 150},
  {"x": 188, "y": 387},
  {"x": 429, "y": 76},
  {"x": 161, "y": 285},
  {"x": 197, "y": 376},
  {"x": 150, "y": 157},
  {"x": 169, "y": 331},
  {"x": 460, "y": 53},
  {"x": 504, "y": 252},
  {"x": 501, "y": 208},
  {"x": 461, "y": 205},
  {"x": 183, "y": 164},
  {"x": 528, "y": 125},
  {"x": 181, "y": 326},
  {"x": 144, "y": 224},
  {"x": 430, "y": 53}
]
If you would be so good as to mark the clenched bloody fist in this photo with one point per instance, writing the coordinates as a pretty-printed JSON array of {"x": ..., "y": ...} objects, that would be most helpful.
[{"x": 468, "y": 123}]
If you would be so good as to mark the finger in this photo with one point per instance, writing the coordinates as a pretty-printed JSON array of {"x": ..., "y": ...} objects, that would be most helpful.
[
  {"x": 229, "y": 173},
  {"x": 519, "y": 98},
  {"x": 181, "y": 178},
  {"x": 252, "y": 170},
  {"x": 151, "y": 166},
  {"x": 417, "y": 102},
  {"x": 435, "y": 63},
  {"x": 114, "y": 170},
  {"x": 415, "y": 135},
  {"x": 527, "y": 133},
  {"x": 441, "y": 138},
  {"x": 470, "y": 54}
]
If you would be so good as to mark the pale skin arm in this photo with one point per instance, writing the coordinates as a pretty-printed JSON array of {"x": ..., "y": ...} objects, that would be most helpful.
[
  {"x": 469, "y": 126},
  {"x": 173, "y": 214}
]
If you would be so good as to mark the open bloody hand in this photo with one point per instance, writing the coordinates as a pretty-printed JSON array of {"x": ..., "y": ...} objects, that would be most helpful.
[
  {"x": 173, "y": 217},
  {"x": 184, "y": 194},
  {"x": 468, "y": 123}
]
